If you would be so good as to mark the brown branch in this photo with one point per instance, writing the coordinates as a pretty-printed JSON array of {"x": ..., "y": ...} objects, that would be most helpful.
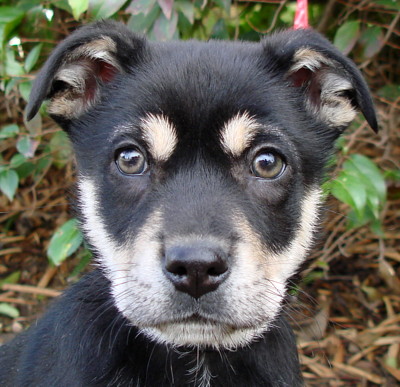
[{"x": 31, "y": 290}]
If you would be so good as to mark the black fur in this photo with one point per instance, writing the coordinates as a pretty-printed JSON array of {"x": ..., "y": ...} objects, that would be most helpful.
[{"x": 86, "y": 339}]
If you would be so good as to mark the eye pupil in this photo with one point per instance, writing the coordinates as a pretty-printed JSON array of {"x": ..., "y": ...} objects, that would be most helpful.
[
  {"x": 267, "y": 165},
  {"x": 266, "y": 161},
  {"x": 130, "y": 161}
]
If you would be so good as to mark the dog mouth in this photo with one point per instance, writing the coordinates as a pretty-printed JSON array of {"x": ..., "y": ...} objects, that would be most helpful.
[
  {"x": 196, "y": 318},
  {"x": 202, "y": 320},
  {"x": 206, "y": 333}
]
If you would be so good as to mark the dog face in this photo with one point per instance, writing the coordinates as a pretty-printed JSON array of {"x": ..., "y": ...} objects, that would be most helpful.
[{"x": 199, "y": 169}]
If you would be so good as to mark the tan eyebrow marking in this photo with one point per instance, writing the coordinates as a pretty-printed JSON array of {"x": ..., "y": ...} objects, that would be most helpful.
[
  {"x": 238, "y": 132},
  {"x": 160, "y": 135}
]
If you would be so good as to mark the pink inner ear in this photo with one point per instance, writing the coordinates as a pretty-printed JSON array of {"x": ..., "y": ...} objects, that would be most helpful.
[
  {"x": 301, "y": 77},
  {"x": 304, "y": 77},
  {"x": 103, "y": 72},
  {"x": 106, "y": 72}
]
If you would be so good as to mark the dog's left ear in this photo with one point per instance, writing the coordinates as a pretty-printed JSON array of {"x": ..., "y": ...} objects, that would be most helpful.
[
  {"x": 78, "y": 70},
  {"x": 332, "y": 86}
]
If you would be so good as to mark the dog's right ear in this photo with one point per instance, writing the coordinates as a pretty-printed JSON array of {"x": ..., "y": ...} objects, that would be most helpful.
[
  {"x": 77, "y": 69},
  {"x": 330, "y": 84}
]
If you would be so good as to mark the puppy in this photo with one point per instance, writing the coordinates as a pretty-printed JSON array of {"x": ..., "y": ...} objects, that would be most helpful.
[{"x": 199, "y": 170}]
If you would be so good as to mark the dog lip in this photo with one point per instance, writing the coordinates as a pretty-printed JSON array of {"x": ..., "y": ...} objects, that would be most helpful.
[
  {"x": 194, "y": 318},
  {"x": 197, "y": 318}
]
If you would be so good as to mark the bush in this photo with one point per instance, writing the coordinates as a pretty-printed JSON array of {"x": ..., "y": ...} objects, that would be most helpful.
[{"x": 32, "y": 151}]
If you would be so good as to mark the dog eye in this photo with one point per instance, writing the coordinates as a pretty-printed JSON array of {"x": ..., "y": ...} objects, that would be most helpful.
[
  {"x": 267, "y": 165},
  {"x": 131, "y": 161}
]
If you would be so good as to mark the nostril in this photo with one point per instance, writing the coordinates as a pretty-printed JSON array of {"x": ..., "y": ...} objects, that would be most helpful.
[
  {"x": 178, "y": 270},
  {"x": 218, "y": 269},
  {"x": 175, "y": 263},
  {"x": 213, "y": 272},
  {"x": 196, "y": 269}
]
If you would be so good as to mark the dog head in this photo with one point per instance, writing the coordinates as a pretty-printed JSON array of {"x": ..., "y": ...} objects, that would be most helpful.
[{"x": 199, "y": 169}]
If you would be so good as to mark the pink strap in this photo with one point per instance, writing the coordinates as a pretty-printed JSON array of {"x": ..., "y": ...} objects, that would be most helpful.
[{"x": 301, "y": 17}]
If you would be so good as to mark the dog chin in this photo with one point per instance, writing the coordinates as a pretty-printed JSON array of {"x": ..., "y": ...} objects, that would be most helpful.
[{"x": 205, "y": 335}]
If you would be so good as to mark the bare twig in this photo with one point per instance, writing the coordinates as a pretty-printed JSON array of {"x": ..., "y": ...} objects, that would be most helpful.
[{"x": 31, "y": 290}]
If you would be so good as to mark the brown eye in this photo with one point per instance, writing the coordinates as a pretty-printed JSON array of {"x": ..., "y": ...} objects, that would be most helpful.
[
  {"x": 131, "y": 161},
  {"x": 267, "y": 165}
]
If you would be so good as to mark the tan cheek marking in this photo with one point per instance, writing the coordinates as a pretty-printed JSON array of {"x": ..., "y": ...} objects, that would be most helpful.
[
  {"x": 253, "y": 253},
  {"x": 93, "y": 223},
  {"x": 238, "y": 132},
  {"x": 160, "y": 135},
  {"x": 141, "y": 274},
  {"x": 250, "y": 249},
  {"x": 146, "y": 243}
]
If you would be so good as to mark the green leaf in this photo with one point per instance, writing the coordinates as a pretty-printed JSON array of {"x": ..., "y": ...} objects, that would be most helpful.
[
  {"x": 25, "y": 89},
  {"x": 346, "y": 36},
  {"x": 8, "y": 310},
  {"x": 25, "y": 169},
  {"x": 371, "y": 173},
  {"x": 313, "y": 276},
  {"x": 187, "y": 8},
  {"x": 34, "y": 125},
  {"x": 62, "y": 4},
  {"x": 391, "y": 361},
  {"x": 219, "y": 30},
  {"x": 141, "y": 7},
  {"x": 12, "y": 67},
  {"x": 164, "y": 29},
  {"x": 65, "y": 241},
  {"x": 142, "y": 23},
  {"x": 10, "y": 85},
  {"x": 9, "y": 183},
  {"x": 10, "y": 17},
  {"x": 288, "y": 13},
  {"x": 78, "y": 7},
  {"x": 32, "y": 57},
  {"x": 41, "y": 165},
  {"x": 393, "y": 175},
  {"x": 27, "y": 146},
  {"x": 84, "y": 258},
  {"x": 391, "y": 4},
  {"x": 9, "y": 131},
  {"x": 103, "y": 9},
  {"x": 13, "y": 278},
  {"x": 60, "y": 148},
  {"x": 372, "y": 40},
  {"x": 362, "y": 186},
  {"x": 224, "y": 4},
  {"x": 166, "y": 6},
  {"x": 349, "y": 190},
  {"x": 390, "y": 92},
  {"x": 354, "y": 220},
  {"x": 17, "y": 160}
]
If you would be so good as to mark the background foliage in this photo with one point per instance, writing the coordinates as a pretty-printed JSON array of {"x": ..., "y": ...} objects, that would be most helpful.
[{"x": 36, "y": 169}]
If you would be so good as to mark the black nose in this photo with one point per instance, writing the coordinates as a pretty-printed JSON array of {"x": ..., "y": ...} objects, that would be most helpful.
[{"x": 196, "y": 269}]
